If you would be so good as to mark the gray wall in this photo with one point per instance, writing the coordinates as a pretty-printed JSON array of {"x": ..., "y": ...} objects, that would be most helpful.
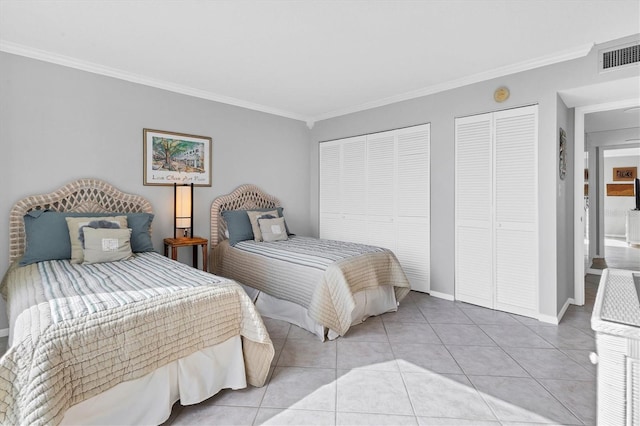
[
  {"x": 539, "y": 86},
  {"x": 564, "y": 211},
  {"x": 58, "y": 124}
]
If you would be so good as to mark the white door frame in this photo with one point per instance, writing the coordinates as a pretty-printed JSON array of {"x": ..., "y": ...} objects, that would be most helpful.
[{"x": 578, "y": 190}]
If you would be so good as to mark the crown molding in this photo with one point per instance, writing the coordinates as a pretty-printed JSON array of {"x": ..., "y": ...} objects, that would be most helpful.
[
  {"x": 562, "y": 56},
  {"x": 17, "y": 49},
  {"x": 67, "y": 61}
]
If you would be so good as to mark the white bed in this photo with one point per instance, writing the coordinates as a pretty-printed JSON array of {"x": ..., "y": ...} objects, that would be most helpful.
[
  {"x": 322, "y": 286},
  {"x": 128, "y": 358}
]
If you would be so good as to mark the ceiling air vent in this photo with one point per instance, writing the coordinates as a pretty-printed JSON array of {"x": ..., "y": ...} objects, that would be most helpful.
[{"x": 621, "y": 56}]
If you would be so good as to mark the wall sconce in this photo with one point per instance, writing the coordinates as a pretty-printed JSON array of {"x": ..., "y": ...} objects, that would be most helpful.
[{"x": 183, "y": 210}]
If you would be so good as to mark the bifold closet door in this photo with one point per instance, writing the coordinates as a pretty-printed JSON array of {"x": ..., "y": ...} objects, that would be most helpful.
[
  {"x": 516, "y": 210},
  {"x": 473, "y": 210},
  {"x": 413, "y": 214},
  {"x": 374, "y": 189},
  {"x": 496, "y": 209},
  {"x": 381, "y": 177},
  {"x": 342, "y": 190}
]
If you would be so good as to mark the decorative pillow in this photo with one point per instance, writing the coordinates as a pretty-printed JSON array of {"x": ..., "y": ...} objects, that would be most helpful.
[
  {"x": 273, "y": 229},
  {"x": 239, "y": 225},
  {"x": 253, "y": 218},
  {"x": 140, "y": 225},
  {"x": 47, "y": 234},
  {"x": 106, "y": 245},
  {"x": 75, "y": 224}
]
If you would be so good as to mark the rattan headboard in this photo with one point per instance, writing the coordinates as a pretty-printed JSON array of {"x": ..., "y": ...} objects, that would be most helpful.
[
  {"x": 82, "y": 195},
  {"x": 244, "y": 197}
]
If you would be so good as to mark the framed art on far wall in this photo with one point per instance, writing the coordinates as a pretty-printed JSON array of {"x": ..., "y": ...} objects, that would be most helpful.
[
  {"x": 624, "y": 173},
  {"x": 619, "y": 190},
  {"x": 180, "y": 158}
]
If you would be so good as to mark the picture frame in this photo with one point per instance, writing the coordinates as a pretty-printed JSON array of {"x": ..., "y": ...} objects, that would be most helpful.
[
  {"x": 620, "y": 190},
  {"x": 624, "y": 174},
  {"x": 170, "y": 157}
]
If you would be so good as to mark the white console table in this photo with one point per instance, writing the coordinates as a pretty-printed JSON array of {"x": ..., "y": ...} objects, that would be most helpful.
[
  {"x": 633, "y": 227},
  {"x": 616, "y": 321}
]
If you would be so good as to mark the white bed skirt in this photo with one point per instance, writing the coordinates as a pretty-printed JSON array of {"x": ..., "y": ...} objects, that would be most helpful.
[
  {"x": 148, "y": 400},
  {"x": 369, "y": 302}
]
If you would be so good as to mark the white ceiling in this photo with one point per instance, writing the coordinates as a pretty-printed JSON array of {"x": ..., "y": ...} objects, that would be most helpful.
[
  {"x": 617, "y": 119},
  {"x": 311, "y": 60}
]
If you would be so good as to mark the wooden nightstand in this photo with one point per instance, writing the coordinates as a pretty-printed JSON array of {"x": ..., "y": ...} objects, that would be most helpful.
[{"x": 194, "y": 242}]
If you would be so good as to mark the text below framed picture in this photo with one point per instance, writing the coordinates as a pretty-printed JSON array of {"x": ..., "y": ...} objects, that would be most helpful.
[
  {"x": 620, "y": 190},
  {"x": 625, "y": 173},
  {"x": 180, "y": 158}
]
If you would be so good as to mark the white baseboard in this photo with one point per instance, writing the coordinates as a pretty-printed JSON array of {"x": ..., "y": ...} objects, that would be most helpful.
[
  {"x": 439, "y": 295},
  {"x": 550, "y": 319},
  {"x": 4, "y": 332},
  {"x": 614, "y": 236}
]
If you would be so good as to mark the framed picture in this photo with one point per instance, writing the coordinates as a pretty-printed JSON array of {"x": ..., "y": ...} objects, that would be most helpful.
[
  {"x": 624, "y": 173},
  {"x": 619, "y": 190},
  {"x": 176, "y": 158}
]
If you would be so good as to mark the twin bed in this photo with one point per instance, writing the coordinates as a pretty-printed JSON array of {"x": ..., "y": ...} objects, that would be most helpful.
[
  {"x": 322, "y": 286},
  {"x": 117, "y": 342},
  {"x": 120, "y": 341}
]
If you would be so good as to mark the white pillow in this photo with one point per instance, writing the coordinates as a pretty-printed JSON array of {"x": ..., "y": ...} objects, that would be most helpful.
[
  {"x": 253, "y": 218},
  {"x": 273, "y": 229},
  {"x": 75, "y": 223},
  {"x": 106, "y": 245}
]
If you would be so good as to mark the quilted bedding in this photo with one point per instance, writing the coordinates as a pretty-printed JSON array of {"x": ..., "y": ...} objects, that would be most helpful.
[
  {"x": 320, "y": 275},
  {"x": 78, "y": 330}
]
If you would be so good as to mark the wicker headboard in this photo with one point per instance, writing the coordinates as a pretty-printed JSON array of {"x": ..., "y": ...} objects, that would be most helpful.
[
  {"x": 244, "y": 197},
  {"x": 82, "y": 195}
]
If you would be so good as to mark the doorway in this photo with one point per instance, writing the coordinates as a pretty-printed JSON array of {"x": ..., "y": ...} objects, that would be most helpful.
[
  {"x": 596, "y": 184},
  {"x": 613, "y": 198}
]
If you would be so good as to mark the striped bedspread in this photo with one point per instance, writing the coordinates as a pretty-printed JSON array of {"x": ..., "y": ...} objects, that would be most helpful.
[
  {"x": 311, "y": 252},
  {"x": 78, "y": 330},
  {"x": 320, "y": 275}
]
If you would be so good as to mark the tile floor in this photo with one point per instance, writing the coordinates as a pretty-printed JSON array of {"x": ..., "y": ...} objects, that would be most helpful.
[{"x": 433, "y": 362}]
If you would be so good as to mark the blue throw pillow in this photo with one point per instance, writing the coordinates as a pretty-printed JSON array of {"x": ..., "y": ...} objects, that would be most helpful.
[
  {"x": 239, "y": 225},
  {"x": 140, "y": 224},
  {"x": 47, "y": 234}
]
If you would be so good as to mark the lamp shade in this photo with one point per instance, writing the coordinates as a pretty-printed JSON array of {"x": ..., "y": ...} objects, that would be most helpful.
[{"x": 183, "y": 215}]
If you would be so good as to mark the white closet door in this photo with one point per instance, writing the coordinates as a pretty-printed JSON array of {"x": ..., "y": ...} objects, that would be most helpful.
[
  {"x": 342, "y": 190},
  {"x": 473, "y": 210},
  {"x": 412, "y": 200},
  {"x": 330, "y": 210},
  {"x": 353, "y": 182},
  {"x": 381, "y": 228},
  {"x": 516, "y": 210}
]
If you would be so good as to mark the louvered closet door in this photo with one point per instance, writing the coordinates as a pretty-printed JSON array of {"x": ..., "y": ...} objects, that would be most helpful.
[
  {"x": 473, "y": 210},
  {"x": 380, "y": 205},
  {"x": 330, "y": 210},
  {"x": 516, "y": 210},
  {"x": 412, "y": 201},
  {"x": 342, "y": 190},
  {"x": 353, "y": 182}
]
